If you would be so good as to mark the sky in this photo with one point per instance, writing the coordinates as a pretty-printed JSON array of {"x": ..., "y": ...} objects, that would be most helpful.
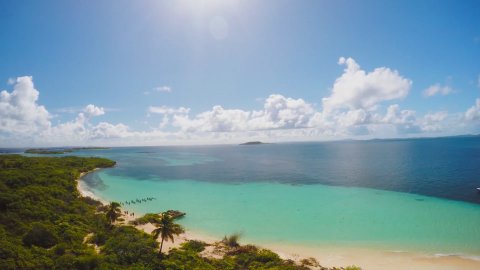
[{"x": 120, "y": 73}]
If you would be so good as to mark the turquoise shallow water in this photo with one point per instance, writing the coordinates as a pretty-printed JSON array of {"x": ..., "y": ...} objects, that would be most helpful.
[{"x": 310, "y": 215}]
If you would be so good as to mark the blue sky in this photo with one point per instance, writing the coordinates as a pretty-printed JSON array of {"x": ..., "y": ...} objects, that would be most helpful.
[{"x": 236, "y": 70}]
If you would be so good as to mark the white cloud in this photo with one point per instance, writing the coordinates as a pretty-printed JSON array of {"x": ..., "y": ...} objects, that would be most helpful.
[
  {"x": 473, "y": 113},
  {"x": 168, "y": 110},
  {"x": 161, "y": 89},
  {"x": 436, "y": 117},
  {"x": 357, "y": 89},
  {"x": 67, "y": 132},
  {"x": 165, "y": 88},
  {"x": 283, "y": 112},
  {"x": 358, "y": 114},
  {"x": 107, "y": 130},
  {"x": 19, "y": 111},
  {"x": 279, "y": 112},
  {"x": 92, "y": 110},
  {"x": 216, "y": 120},
  {"x": 353, "y": 118},
  {"x": 80, "y": 131},
  {"x": 396, "y": 116},
  {"x": 167, "y": 113},
  {"x": 433, "y": 122},
  {"x": 437, "y": 89}
]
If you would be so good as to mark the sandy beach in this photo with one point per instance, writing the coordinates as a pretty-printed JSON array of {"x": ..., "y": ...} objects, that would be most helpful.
[
  {"x": 328, "y": 256},
  {"x": 83, "y": 189},
  {"x": 375, "y": 259}
]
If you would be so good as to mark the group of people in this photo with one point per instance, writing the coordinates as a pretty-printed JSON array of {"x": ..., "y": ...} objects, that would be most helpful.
[
  {"x": 142, "y": 200},
  {"x": 132, "y": 214}
]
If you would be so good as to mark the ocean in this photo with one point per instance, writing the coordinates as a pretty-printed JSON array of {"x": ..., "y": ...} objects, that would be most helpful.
[{"x": 399, "y": 195}]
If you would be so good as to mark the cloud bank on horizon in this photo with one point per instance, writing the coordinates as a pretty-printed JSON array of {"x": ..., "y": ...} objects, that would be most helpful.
[{"x": 361, "y": 104}]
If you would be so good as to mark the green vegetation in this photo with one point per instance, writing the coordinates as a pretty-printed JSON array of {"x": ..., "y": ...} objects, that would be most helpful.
[
  {"x": 50, "y": 151},
  {"x": 232, "y": 240},
  {"x": 147, "y": 218},
  {"x": 113, "y": 212},
  {"x": 43, "y": 219},
  {"x": 45, "y": 224},
  {"x": 353, "y": 267},
  {"x": 166, "y": 228}
]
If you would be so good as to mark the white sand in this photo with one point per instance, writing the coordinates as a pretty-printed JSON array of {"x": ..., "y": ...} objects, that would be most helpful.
[{"x": 371, "y": 259}]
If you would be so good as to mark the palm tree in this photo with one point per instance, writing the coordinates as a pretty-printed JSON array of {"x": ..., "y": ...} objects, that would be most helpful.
[
  {"x": 166, "y": 228},
  {"x": 113, "y": 212}
]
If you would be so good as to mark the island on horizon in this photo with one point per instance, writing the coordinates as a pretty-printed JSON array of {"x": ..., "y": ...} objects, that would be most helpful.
[
  {"x": 252, "y": 143},
  {"x": 52, "y": 151}
]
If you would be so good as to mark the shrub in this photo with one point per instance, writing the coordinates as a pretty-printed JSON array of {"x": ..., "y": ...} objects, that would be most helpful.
[
  {"x": 41, "y": 236},
  {"x": 128, "y": 245},
  {"x": 231, "y": 240},
  {"x": 310, "y": 262},
  {"x": 194, "y": 245}
]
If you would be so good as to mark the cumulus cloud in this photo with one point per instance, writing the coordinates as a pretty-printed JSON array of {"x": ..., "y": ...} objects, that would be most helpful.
[
  {"x": 19, "y": 110},
  {"x": 167, "y": 113},
  {"x": 108, "y": 130},
  {"x": 355, "y": 109},
  {"x": 70, "y": 131},
  {"x": 433, "y": 122},
  {"x": 396, "y": 116},
  {"x": 436, "y": 116},
  {"x": 473, "y": 113},
  {"x": 283, "y": 112},
  {"x": 92, "y": 110},
  {"x": 216, "y": 120},
  {"x": 358, "y": 89},
  {"x": 405, "y": 121},
  {"x": 81, "y": 131},
  {"x": 354, "y": 118},
  {"x": 437, "y": 89},
  {"x": 278, "y": 112}
]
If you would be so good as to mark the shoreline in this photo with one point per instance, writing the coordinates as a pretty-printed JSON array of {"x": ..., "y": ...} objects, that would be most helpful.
[
  {"x": 83, "y": 190},
  {"x": 329, "y": 256}
]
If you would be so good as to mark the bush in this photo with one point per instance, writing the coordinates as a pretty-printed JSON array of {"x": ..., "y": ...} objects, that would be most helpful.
[
  {"x": 41, "y": 236},
  {"x": 310, "y": 262},
  {"x": 194, "y": 245},
  {"x": 232, "y": 240},
  {"x": 128, "y": 245},
  {"x": 147, "y": 218},
  {"x": 98, "y": 238}
]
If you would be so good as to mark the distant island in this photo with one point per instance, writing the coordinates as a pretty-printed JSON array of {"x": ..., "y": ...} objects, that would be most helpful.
[
  {"x": 53, "y": 151},
  {"x": 252, "y": 143}
]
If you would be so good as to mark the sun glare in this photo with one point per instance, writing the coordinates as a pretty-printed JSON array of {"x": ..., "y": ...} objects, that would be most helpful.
[{"x": 207, "y": 6}]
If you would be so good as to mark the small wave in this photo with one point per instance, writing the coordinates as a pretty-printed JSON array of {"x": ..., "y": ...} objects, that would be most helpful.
[{"x": 459, "y": 255}]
